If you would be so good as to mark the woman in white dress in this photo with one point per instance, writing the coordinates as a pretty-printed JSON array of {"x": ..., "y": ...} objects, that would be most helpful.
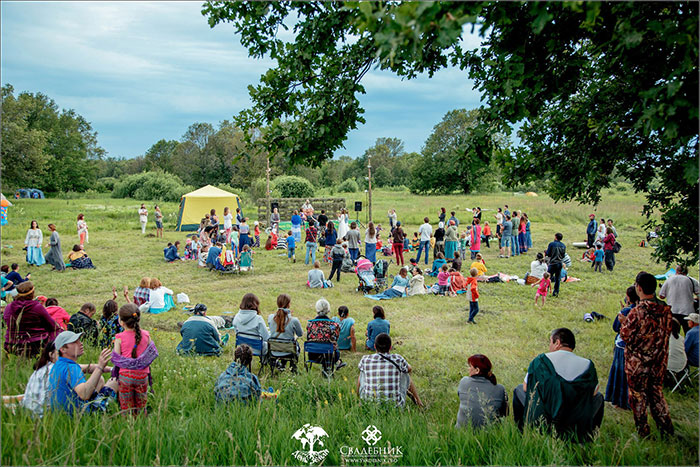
[
  {"x": 343, "y": 223},
  {"x": 33, "y": 242}
]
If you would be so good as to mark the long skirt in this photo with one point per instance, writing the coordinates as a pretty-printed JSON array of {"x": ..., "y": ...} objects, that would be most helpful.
[
  {"x": 371, "y": 251},
  {"x": 35, "y": 256},
  {"x": 617, "y": 391},
  {"x": 169, "y": 303},
  {"x": 327, "y": 254},
  {"x": 450, "y": 248},
  {"x": 55, "y": 258},
  {"x": 296, "y": 233},
  {"x": 243, "y": 241},
  {"x": 522, "y": 242}
]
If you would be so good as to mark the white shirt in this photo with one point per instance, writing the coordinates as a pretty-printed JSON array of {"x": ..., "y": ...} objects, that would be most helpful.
[
  {"x": 368, "y": 239},
  {"x": 678, "y": 291},
  {"x": 34, "y": 238},
  {"x": 36, "y": 394},
  {"x": 499, "y": 218},
  {"x": 143, "y": 215},
  {"x": 425, "y": 230},
  {"x": 676, "y": 353},
  {"x": 228, "y": 221},
  {"x": 538, "y": 269},
  {"x": 157, "y": 299}
]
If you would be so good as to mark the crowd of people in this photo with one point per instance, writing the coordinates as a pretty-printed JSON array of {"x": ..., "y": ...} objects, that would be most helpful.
[{"x": 560, "y": 388}]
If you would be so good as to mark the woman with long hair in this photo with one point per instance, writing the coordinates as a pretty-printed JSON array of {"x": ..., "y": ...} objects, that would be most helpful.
[
  {"x": 55, "y": 256},
  {"x": 617, "y": 392},
  {"x": 371, "y": 242},
  {"x": 32, "y": 243},
  {"x": 282, "y": 324},
  {"x": 481, "y": 399},
  {"x": 82, "y": 230}
]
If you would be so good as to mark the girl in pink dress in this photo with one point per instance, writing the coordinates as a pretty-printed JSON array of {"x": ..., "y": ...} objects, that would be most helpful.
[
  {"x": 133, "y": 384},
  {"x": 544, "y": 286}
]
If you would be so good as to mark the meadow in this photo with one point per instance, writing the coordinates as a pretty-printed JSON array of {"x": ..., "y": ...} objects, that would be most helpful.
[{"x": 186, "y": 427}]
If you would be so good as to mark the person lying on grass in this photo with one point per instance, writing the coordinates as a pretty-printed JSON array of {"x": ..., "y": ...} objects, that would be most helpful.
[{"x": 385, "y": 377}]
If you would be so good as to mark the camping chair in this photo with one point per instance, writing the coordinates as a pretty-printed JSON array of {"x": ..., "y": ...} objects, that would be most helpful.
[
  {"x": 245, "y": 263},
  {"x": 326, "y": 357},
  {"x": 288, "y": 347},
  {"x": 253, "y": 341},
  {"x": 686, "y": 374}
]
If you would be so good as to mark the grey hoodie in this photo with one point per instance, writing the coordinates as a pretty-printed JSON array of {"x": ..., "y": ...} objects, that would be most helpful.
[{"x": 249, "y": 321}]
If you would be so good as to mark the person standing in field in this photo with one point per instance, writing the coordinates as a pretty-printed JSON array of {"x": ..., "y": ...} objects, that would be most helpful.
[
  {"x": 82, "y": 230},
  {"x": 425, "y": 231},
  {"x": 556, "y": 251},
  {"x": 32, "y": 243},
  {"x": 55, "y": 256},
  {"x": 393, "y": 218},
  {"x": 353, "y": 237},
  {"x": 591, "y": 231},
  {"x": 646, "y": 332},
  {"x": 143, "y": 218},
  {"x": 159, "y": 222}
]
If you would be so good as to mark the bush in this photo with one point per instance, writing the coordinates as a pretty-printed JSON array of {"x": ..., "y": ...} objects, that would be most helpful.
[
  {"x": 291, "y": 186},
  {"x": 348, "y": 186},
  {"x": 105, "y": 185},
  {"x": 157, "y": 186},
  {"x": 258, "y": 189}
]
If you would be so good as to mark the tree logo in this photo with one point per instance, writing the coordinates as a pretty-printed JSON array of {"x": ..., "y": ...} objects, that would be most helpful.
[
  {"x": 309, "y": 437},
  {"x": 371, "y": 435}
]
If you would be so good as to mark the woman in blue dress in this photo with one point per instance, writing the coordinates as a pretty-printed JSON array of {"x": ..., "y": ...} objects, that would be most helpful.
[
  {"x": 617, "y": 392},
  {"x": 32, "y": 243}
]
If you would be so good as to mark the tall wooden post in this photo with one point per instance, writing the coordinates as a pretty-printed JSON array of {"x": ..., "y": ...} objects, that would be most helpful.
[
  {"x": 369, "y": 186},
  {"x": 269, "y": 209}
]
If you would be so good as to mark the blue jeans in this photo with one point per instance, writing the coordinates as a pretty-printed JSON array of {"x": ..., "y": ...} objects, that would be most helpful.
[
  {"x": 515, "y": 249},
  {"x": 555, "y": 271},
  {"x": 354, "y": 253},
  {"x": 290, "y": 252},
  {"x": 505, "y": 241},
  {"x": 311, "y": 247},
  {"x": 423, "y": 245},
  {"x": 473, "y": 310}
]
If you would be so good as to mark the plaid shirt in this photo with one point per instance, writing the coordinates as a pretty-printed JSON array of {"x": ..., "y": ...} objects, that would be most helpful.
[
  {"x": 141, "y": 295},
  {"x": 382, "y": 380},
  {"x": 36, "y": 394}
]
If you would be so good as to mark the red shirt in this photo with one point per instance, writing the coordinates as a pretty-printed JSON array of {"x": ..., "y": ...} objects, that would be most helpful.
[
  {"x": 59, "y": 315},
  {"x": 608, "y": 242}
]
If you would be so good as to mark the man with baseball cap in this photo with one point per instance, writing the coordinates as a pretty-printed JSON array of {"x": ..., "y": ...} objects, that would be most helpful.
[
  {"x": 692, "y": 338},
  {"x": 199, "y": 334},
  {"x": 591, "y": 230},
  {"x": 67, "y": 384}
]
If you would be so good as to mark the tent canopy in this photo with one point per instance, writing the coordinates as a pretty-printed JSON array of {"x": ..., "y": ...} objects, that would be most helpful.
[{"x": 196, "y": 204}]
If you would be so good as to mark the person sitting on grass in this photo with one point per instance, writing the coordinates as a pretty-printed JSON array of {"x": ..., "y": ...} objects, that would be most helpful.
[
  {"x": 322, "y": 329},
  {"x": 385, "y": 377},
  {"x": 438, "y": 262},
  {"x": 36, "y": 394},
  {"x": 480, "y": 267},
  {"x": 457, "y": 282},
  {"x": 161, "y": 298},
  {"x": 79, "y": 259},
  {"x": 109, "y": 322},
  {"x": 560, "y": 390},
  {"x": 416, "y": 286},
  {"x": 213, "y": 254},
  {"x": 69, "y": 389},
  {"x": 346, "y": 340},
  {"x": 170, "y": 252},
  {"x": 199, "y": 335},
  {"x": 457, "y": 261},
  {"x": 59, "y": 314},
  {"x": 142, "y": 293},
  {"x": 82, "y": 323},
  {"x": 28, "y": 326},
  {"x": 237, "y": 383},
  {"x": 377, "y": 326},
  {"x": 481, "y": 399},
  {"x": 316, "y": 278}
]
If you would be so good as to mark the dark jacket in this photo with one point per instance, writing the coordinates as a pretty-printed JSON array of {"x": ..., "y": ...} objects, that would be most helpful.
[{"x": 80, "y": 322}]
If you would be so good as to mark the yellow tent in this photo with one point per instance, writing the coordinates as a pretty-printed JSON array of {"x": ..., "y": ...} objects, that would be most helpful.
[{"x": 195, "y": 205}]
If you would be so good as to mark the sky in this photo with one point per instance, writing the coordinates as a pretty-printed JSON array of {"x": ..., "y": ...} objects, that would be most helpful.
[{"x": 145, "y": 71}]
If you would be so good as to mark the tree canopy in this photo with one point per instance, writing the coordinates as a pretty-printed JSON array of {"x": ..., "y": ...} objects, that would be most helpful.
[{"x": 597, "y": 87}]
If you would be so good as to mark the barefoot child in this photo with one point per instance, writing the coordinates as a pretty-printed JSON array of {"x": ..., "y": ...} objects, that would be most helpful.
[
  {"x": 543, "y": 289},
  {"x": 473, "y": 295},
  {"x": 133, "y": 383}
]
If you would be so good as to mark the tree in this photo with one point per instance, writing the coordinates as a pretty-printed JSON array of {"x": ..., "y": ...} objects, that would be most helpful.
[
  {"x": 160, "y": 155},
  {"x": 596, "y": 85},
  {"x": 455, "y": 155}
]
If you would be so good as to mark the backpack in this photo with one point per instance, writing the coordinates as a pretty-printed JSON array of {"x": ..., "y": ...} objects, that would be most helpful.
[
  {"x": 236, "y": 384},
  {"x": 616, "y": 247}
]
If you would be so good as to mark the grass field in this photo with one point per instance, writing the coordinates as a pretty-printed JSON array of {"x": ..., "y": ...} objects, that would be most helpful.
[{"x": 185, "y": 426}]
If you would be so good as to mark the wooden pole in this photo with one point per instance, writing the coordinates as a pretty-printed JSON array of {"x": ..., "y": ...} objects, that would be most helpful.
[
  {"x": 369, "y": 180},
  {"x": 269, "y": 209}
]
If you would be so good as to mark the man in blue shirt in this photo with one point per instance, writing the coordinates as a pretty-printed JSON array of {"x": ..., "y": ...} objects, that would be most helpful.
[
  {"x": 67, "y": 385},
  {"x": 506, "y": 236},
  {"x": 555, "y": 252},
  {"x": 692, "y": 338},
  {"x": 453, "y": 218},
  {"x": 591, "y": 230},
  {"x": 214, "y": 252}
]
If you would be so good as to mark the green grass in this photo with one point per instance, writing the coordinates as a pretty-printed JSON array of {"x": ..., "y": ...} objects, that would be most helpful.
[{"x": 185, "y": 425}]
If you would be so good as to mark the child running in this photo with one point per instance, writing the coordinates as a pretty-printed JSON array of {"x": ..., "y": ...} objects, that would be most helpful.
[
  {"x": 443, "y": 277},
  {"x": 543, "y": 289},
  {"x": 133, "y": 383},
  {"x": 472, "y": 295}
]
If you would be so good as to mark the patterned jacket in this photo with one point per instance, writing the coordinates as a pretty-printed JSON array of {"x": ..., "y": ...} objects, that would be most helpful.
[{"x": 646, "y": 331}]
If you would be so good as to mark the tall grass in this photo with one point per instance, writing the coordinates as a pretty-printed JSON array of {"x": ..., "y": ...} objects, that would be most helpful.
[{"x": 186, "y": 426}]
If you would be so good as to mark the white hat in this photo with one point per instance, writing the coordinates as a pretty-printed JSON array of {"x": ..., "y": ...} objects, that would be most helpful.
[
  {"x": 66, "y": 337},
  {"x": 694, "y": 317},
  {"x": 255, "y": 223}
]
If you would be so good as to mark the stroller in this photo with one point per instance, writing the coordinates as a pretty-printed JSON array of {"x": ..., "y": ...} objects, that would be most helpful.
[{"x": 365, "y": 274}]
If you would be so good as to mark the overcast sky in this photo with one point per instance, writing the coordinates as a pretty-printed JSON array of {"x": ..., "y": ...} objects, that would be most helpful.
[{"x": 142, "y": 71}]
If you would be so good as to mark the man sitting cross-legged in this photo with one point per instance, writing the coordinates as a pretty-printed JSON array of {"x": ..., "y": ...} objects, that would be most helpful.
[
  {"x": 560, "y": 390},
  {"x": 385, "y": 376}
]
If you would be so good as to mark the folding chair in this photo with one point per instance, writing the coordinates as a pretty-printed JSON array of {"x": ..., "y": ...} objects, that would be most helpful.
[
  {"x": 245, "y": 263},
  {"x": 287, "y": 350},
  {"x": 325, "y": 357},
  {"x": 253, "y": 341},
  {"x": 688, "y": 373}
]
